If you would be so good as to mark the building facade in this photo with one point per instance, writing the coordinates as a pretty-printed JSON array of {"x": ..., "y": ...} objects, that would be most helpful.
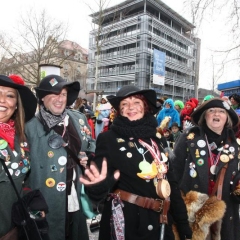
[
  {"x": 68, "y": 54},
  {"x": 130, "y": 31}
]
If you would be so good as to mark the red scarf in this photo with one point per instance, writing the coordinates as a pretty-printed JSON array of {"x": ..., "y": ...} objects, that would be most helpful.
[{"x": 7, "y": 132}]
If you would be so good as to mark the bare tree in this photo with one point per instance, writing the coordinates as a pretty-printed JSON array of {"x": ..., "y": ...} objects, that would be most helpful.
[
  {"x": 38, "y": 41},
  {"x": 100, "y": 36},
  {"x": 203, "y": 12}
]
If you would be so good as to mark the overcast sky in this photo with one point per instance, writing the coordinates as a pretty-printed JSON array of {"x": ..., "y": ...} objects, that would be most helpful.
[{"x": 75, "y": 13}]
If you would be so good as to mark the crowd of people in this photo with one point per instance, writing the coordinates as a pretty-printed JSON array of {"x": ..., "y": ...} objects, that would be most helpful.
[{"x": 157, "y": 168}]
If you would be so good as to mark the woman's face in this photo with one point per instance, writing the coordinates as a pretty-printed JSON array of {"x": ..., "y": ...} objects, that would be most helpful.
[
  {"x": 216, "y": 119},
  {"x": 8, "y": 103},
  {"x": 233, "y": 102},
  {"x": 132, "y": 108}
]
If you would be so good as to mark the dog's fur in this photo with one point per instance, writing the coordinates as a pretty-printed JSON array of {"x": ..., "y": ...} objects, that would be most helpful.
[{"x": 203, "y": 212}]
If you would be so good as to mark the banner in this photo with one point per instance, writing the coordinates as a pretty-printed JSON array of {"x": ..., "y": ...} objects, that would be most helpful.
[{"x": 159, "y": 59}]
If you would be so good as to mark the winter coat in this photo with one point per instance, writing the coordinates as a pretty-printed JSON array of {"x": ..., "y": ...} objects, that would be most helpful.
[
  {"x": 49, "y": 166},
  {"x": 166, "y": 112},
  {"x": 191, "y": 149},
  {"x": 140, "y": 223},
  {"x": 19, "y": 166}
]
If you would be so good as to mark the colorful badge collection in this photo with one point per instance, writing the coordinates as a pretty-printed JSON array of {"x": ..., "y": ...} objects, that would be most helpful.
[
  {"x": 226, "y": 153},
  {"x": 62, "y": 160},
  {"x": 15, "y": 168}
]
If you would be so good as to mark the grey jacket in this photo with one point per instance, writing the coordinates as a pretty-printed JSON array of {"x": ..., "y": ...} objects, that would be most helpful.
[
  {"x": 48, "y": 172},
  {"x": 18, "y": 166}
]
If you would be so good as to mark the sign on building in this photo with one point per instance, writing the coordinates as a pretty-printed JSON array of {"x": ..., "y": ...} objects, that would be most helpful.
[{"x": 159, "y": 59}]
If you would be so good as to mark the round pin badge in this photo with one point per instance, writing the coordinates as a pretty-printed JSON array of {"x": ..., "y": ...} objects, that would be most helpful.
[
  {"x": 50, "y": 182},
  {"x": 62, "y": 160},
  {"x": 14, "y": 165},
  {"x": 131, "y": 144},
  {"x": 129, "y": 155},
  {"x": 61, "y": 186},
  {"x": 232, "y": 149},
  {"x": 200, "y": 162},
  {"x": 4, "y": 152},
  {"x": 201, "y": 143},
  {"x": 224, "y": 158},
  {"x": 202, "y": 152},
  {"x": 50, "y": 154},
  {"x": 25, "y": 170},
  {"x": 213, "y": 169},
  {"x": 81, "y": 122},
  {"x": 3, "y": 144},
  {"x": 193, "y": 173}
]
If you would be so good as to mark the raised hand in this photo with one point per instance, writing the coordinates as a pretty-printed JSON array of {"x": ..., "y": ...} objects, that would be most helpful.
[{"x": 93, "y": 176}]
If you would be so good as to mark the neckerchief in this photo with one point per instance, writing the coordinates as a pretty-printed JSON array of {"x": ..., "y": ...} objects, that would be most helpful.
[
  {"x": 50, "y": 120},
  {"x": 7, "y": 132}
]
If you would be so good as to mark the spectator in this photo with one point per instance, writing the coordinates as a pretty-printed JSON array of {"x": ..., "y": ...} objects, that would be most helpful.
[
  {"x": 206, "y": 164},
  {"x": 168, "y": 111},
  {"x": 126, "y": 156}
]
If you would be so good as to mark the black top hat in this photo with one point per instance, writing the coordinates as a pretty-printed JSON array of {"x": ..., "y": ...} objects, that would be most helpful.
[
  {"x": 28, "y": 99},
  {"x": 131, "y": 90},
  {"x": 54, "y": 84},
  {"x": 214, "y": 103}
]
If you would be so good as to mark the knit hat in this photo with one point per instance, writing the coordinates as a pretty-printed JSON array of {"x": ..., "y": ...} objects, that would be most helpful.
[
  {"x": 208, "y": 97},
  {"x": 195, "y": 101}
]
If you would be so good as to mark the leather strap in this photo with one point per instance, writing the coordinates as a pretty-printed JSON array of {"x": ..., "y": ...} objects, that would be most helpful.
[
  {"x": 219, "y": 183},
  {"x": 144, "y": 202}
]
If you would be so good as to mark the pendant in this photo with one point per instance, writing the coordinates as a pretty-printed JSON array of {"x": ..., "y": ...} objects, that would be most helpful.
[{"x": 213, "y": 169}]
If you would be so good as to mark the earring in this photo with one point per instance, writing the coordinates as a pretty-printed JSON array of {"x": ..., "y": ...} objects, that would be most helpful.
[{"x": 16, "y": 107}]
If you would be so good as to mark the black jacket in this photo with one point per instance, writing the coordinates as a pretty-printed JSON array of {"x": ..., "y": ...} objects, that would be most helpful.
[
  {"x": 122, "y": 154},
  {"x": 185, "y": 152}
]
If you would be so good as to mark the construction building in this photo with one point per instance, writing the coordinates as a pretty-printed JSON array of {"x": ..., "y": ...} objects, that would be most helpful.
[{"x": 130, "y": 31}]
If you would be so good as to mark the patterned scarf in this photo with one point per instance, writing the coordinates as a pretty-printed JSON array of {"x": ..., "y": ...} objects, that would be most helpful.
[
  {"x": 7, "y": 132},
  {"x": 49, "y": 120}
]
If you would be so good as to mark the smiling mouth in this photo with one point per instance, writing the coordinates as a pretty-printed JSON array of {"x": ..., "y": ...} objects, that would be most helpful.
[
  {"x": 216, "y": 120},
  {"x": 3, "y": 108}
]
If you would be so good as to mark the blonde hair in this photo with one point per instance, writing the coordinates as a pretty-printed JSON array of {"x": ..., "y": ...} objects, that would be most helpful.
[{"x": 202, "y": 120}]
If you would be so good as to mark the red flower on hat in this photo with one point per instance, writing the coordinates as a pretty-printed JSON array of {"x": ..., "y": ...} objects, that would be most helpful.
[{"x": 17, "y": 79}]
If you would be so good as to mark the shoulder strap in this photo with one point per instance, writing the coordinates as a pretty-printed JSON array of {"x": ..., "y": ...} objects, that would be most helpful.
[
  {"x": 219, "y": 183},
  {"x": 10, "y": 178}
]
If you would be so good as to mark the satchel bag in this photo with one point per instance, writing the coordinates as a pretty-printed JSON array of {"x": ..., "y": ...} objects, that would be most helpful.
[{"x": 26, "y": 213}]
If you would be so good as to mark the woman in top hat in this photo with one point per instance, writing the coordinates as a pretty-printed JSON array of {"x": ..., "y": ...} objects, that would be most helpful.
[
  {"x": 135, "y": 174},
  {"x": 207, "y": 164},
  {"x": 17, "y": 105}
]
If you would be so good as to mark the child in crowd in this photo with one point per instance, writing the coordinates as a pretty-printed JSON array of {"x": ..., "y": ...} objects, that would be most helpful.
[
  {"x": 175, "y": 131},
  {"x": 168, "y": 136}
]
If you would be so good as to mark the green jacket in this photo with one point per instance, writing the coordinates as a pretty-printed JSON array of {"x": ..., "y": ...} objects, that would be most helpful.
[
  {"x": 48, "y": 173},
  {"x": 18, "y": 166}
]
